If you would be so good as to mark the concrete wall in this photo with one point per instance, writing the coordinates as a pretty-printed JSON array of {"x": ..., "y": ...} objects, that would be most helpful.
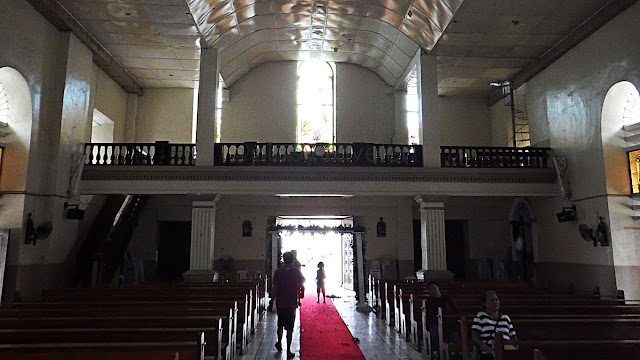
[
  {"x": 565, "y": 104},
  {"x": 364, "y": 106},
  {"x": 59, "y": 72},
  {"x": 165, "y": 114},
  {"x": 464, "y": 121},
  {"x": 262, "y": 105},
  {"x": 111, "y": 100}
]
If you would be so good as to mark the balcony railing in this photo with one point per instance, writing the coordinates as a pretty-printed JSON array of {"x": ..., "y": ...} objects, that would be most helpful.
[
  {"x": 158, "y": 153},
  {"x": 292, "y": 154},
  {"x": 494, "y": 157},
  {"x": 340, "y": 154}
]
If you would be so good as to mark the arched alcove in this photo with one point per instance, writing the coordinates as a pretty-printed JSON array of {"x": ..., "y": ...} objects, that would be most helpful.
[
  {"x": 17, "y": 143},
  {"x": 620, "y": 108},
  {"x": 523, "y": 224}
]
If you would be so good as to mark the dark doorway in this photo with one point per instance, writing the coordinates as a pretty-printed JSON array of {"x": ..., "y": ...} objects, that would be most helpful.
[
  {"x": 455, "y": 235},
  {"x": 417, "y": 245},
  {"x": 174, "y": 246}
]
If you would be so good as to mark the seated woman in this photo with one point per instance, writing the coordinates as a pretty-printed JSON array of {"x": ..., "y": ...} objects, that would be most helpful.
[{"x": 487, "y": 323}]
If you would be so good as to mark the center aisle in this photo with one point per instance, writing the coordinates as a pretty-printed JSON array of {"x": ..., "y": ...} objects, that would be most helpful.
[{"x": 323, "y": 333}]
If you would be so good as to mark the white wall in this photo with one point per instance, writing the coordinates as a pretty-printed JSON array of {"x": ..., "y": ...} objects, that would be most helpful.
[
  {"x": 565, "y": 104},
  {"x": 111, "y": 100},
  {"x": 364, "y": 106},
  {"x": 165, "y": 114},
  {"x": 464, "y": 121},
  {"x": 501, "y": 124},
  {"x": 262, "y": 105}
]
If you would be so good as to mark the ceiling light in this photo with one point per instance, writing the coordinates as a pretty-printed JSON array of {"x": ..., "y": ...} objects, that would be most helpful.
[
  {"x": 500, "y": 83},
  {"x": 314, "y": 195}
]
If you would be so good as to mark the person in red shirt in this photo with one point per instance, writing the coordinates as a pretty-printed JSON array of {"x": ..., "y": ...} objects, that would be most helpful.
[{"x": 287, "y": 281}]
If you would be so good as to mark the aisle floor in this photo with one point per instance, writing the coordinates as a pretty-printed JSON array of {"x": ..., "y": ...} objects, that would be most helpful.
[{"x": 377, "y": 340}]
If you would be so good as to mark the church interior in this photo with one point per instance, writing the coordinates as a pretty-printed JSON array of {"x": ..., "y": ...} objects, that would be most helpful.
[{"x": 493, "y": 142}]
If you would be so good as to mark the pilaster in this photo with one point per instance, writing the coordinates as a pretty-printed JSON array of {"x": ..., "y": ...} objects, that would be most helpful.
[
  {"x": 429, "y": 109},
  {"x": 433, "y": 242},
  {"x": 207, "y": 95},
  {"x": 203, "y": 225}
]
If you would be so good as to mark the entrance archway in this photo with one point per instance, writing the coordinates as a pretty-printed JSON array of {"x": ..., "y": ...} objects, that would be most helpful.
[{"x": 317, "y": 239}]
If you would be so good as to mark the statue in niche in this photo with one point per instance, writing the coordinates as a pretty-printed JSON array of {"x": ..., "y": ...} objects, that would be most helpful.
[
  {"x": 246, "y": 228},
  {"x": 381, "y": 228}
]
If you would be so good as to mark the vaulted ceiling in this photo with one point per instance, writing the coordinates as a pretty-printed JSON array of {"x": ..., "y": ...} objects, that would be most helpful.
[{"x": 155, "y": 43}]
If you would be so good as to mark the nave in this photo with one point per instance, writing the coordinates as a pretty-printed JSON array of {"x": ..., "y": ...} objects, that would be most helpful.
[{"x": 377, "y": 340}]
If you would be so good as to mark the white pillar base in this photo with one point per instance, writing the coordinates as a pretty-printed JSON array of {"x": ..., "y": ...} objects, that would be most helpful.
[
  {"x": 428, "y": 275},
  {"x": 198, "y": 275}
]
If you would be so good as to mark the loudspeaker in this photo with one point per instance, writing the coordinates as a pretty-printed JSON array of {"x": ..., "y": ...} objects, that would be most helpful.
[{"x": 75, "y": 214}]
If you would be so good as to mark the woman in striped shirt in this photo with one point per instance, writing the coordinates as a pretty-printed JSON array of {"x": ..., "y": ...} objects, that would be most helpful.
[{"x": 487, "y": 323}]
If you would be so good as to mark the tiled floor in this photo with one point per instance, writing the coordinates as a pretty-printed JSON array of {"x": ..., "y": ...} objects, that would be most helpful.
[{"x": 377, "y": 340}]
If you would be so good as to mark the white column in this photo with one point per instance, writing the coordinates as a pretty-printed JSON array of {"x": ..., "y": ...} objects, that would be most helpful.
[
  {"x": 207, "y": 95},
  {"x": 203, "y": 228},
  {"x": 429, "y": 110},
  {"x": 362, "y": 299},
  {"x": 131, "y": 116},
  {"x": 274, "y": 251},
  {"x": 432, "y": 234}
]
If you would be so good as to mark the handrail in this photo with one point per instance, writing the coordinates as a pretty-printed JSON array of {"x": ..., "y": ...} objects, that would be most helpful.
[
  {"x": 158, "y": 153},
  {"x": 319, "y": 154},
  {"x": 494, "y": 157}
]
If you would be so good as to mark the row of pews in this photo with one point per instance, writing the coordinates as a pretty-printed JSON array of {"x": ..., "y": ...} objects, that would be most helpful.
[
  {"x": 185, "y": 321},
  {"x": 550, "y": 325}
]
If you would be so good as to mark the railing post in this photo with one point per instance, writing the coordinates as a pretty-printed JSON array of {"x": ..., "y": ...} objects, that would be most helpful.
[
  {"x": 161, "y": 157},
  {"x": 250, "y": 152}
]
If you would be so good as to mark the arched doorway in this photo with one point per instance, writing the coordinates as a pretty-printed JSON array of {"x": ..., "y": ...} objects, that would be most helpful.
[
  {"x": 523, "y": 240},
  {"x": 16, "y": 118}
]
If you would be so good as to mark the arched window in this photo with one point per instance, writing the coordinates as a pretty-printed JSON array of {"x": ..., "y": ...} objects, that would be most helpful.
[
  {"x": 631, "y": 112},
  {"x": 4, "y": 105},
  {"x": 620, "y": 125},
  {"x": 412, "y": 107},
  {"x": 315, "y": 99}
]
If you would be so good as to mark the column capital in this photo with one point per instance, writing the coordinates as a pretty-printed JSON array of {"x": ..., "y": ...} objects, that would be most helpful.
[
  {"x": 432, "y": 203},
  {"x": 207, "y": 203}
]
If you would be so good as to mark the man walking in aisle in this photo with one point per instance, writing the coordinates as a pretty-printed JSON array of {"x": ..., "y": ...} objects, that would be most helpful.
[{"x": 287, "y": 281}]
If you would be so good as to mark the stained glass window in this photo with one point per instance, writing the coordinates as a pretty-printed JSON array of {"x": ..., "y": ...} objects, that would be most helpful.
[
  {"x": 315, "y": 103},
  {"x": 634, "y": 170}
]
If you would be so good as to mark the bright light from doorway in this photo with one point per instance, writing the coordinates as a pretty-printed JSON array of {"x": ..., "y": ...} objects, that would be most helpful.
[{"x": 314, "y": 246}]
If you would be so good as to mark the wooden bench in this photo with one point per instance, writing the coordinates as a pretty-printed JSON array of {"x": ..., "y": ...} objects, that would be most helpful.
[
  {"x": 243, "y": 320},
  {"x": 212, "y": 326},
  {"x": 169, "y": 350}
]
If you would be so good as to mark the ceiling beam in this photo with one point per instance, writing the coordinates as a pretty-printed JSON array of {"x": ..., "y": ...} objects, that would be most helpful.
[
  {"x": 584, "y": 30},
  {"x": 59, "y": 17}
]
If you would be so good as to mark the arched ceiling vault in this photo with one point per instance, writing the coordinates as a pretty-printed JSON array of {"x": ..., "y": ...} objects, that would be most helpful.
[{"x": 382, "y": 35}]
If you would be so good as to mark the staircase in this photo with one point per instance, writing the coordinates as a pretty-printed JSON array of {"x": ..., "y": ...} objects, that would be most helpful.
[
  {"x": 102, "y": 253},
  {"x": 521, "y": 122}
]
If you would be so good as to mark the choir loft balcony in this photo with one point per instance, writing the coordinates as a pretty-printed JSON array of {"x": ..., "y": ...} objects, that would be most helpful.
[{"x": 354, "y": 168}]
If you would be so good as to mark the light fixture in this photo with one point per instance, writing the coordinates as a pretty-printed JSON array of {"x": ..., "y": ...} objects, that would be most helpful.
[
  {"x": 501, "y": 83},
  {"x": 567, "y": 214},
  {"x": 314, "y": 195}
]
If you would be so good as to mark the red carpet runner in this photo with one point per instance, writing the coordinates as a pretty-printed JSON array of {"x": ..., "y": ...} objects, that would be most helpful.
[{"x": 323, "y": 333}]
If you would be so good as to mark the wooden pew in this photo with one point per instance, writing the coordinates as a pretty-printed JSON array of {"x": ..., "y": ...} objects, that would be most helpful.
[
  {"x": 241, "y": 295},
  {"x": 169, "y": 350},
  {"x": 212, "y": 326},
  {"x": 568, "y": 349}
]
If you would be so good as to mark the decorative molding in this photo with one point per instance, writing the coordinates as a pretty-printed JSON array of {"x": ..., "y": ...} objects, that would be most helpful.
[{"x": 172, "y": 173}]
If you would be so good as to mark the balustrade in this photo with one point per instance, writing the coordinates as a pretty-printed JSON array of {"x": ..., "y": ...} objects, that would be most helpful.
[
  {"x": 294, "y": 154},
  {"x": 158, "y": 153},
  {"x": 494, "y": 157}
]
